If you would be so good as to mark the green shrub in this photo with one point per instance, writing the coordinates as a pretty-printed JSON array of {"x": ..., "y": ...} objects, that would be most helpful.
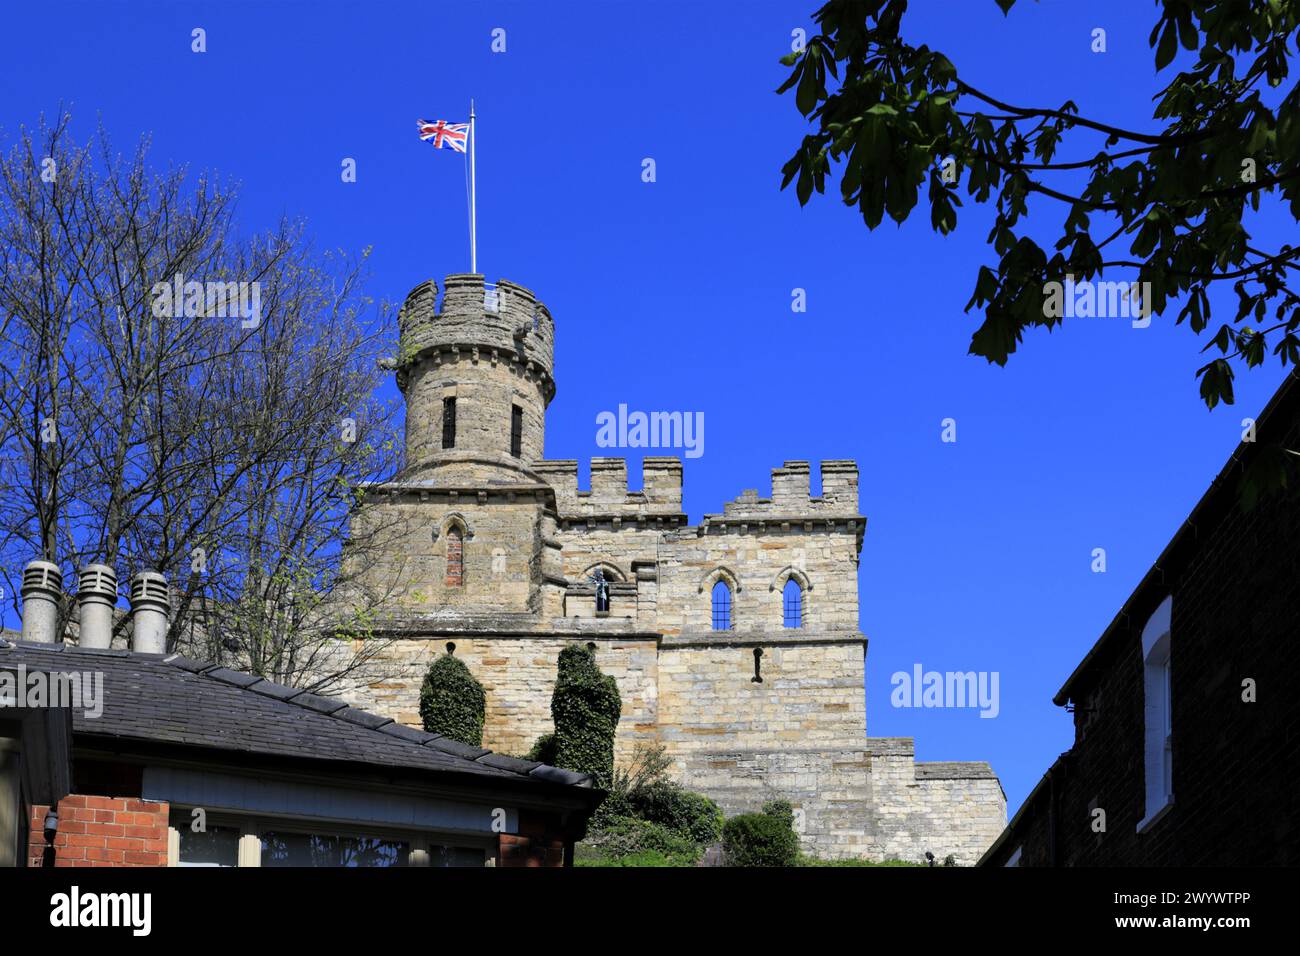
[
  {"x": 689, "y": 814},
  {"x": 759, "y": 839},
  {"x": 625, "y": 837},
  {"x": 781, "y": 809},
  {"x": 585, "y": 708},
  {"x": 452, "y": 702}
]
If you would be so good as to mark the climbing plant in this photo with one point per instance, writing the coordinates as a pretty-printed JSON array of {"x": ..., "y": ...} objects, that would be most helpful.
[
  {"x": 452, "y": 702},
  {"x": 585, "y": 709}
]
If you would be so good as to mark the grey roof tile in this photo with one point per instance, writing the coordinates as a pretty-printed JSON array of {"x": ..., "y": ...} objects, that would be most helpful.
[
  {"x": 227, "y": 676},
  {"x": 363, "y": 717},
  {"x": 509, "y": 763},
  {"x": 323, "y": 705}
]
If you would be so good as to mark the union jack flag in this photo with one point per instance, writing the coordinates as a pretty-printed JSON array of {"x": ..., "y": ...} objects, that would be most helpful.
[{"x": 443, "y": 133}]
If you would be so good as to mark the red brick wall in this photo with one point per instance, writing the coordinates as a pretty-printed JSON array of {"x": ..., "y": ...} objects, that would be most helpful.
[
  {"x": 539, "y": 842},
  {"x": 102, "y": 831}
]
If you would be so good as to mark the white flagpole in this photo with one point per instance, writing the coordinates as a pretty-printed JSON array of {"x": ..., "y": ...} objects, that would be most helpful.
[{"x": 473, "y": 199}]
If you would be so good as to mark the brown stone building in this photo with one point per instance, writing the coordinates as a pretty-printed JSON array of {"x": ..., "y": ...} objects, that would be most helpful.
[
  {"x": 735, "y": 642},
  {"x": 1186, "y": 716}
]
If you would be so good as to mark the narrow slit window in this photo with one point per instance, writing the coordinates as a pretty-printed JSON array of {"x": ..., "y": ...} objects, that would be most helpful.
[
  {"x": 455, "y": 558},
  {"x": 792, "y": 603},
  {"x": 721, "y": 606},
  {"x": 449, "y": 422},
  {"x": 516, "y": 431},
  {"x": 758, "y": 666}
]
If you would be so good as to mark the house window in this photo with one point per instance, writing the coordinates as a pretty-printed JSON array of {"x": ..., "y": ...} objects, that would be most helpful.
[
  {"x": 455, "y": 558},
  {"x": 516, "y": 431},
  {"x": 245, "y": 841},
  {"x": 792, "y": 603},
  {"x": 215, "y": 846},
  {"x": 449, "y": 422},
  {"x": 280, "y": 848},
  {"x": 721, "y": 606},
  {"x": 1157, "y": 712}
]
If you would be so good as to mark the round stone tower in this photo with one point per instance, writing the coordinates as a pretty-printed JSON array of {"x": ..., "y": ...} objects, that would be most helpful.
[{"x": 476, "y": 371}]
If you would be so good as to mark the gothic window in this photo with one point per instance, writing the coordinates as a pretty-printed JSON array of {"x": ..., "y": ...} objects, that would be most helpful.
[
  {"x": 455, "y": 558},
  {"x": 1157, "y": 713},
  {"x": 449, "y": 422},
  {"x": 516, "y": 431},
  {"x": 792, "y": 603},
  {"x": 721, "y": 606}
]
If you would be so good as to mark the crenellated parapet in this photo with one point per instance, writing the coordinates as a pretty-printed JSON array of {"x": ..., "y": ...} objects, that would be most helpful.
[
  {"x": 792, "y": 506},
  {"x": 501, "y": 322},
  {"x": 609, "y": 497}
]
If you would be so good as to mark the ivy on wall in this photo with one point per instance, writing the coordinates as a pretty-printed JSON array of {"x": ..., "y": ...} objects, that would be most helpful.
[
  {"x": 585, "y": 708},
  {"x": 452, "y": 702}
]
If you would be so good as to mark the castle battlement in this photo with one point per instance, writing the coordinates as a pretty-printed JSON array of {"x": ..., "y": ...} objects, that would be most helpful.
[
  {"x": 505, "y": 318},
  {"x": 792, "y": 498},
  {"x": 661, "y": 492}
]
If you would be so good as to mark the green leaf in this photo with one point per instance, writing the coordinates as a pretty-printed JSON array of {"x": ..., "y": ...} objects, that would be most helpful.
[{"x": 1168, "y": 46}]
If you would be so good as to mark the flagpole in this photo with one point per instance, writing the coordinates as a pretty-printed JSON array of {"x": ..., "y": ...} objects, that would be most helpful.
[{"x": 473, "y": 199}]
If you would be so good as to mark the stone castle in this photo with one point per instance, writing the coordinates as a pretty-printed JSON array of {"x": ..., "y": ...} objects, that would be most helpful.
[{"x": 735, "y": 642}]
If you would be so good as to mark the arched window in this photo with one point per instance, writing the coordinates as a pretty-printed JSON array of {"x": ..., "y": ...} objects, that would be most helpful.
[
  {"x": 792, "y": 604},
  {"x": 721, "y": 606},
  {"x": 1157, "y": 712},
  {"x": 455, "y": 557}
]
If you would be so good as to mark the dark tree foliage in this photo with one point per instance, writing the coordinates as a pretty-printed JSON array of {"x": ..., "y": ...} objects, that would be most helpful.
[
  {"x": 1167, "y": 201},
  {"x": 585, "y": 709},
  {"x": 452, "y": 702},
  {"x": 543, "y": 750}
]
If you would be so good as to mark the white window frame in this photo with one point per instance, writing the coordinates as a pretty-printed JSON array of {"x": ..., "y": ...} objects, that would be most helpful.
[{"x": 1157, "y": 714}]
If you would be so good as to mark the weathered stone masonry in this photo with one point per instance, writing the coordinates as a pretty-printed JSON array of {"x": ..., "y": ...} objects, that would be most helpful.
[{"x": 532, "y": 540}]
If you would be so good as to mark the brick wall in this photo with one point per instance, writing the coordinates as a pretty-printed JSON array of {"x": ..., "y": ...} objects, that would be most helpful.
[
  {"x": 539, "y": 842},
  {"x": 102, "y": 831}
]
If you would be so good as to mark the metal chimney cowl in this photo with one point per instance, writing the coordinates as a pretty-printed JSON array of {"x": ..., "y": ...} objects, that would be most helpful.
[
  {"x": 42, "y": 588},
  {"x": 150, "y": 611},
  {"x": 96, "y": 601}
]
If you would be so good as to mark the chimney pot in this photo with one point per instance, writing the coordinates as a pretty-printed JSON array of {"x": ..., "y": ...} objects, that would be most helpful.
[
  {"x": 42, "y": 588},
  {"x": 96, "y": 600},
  {"x": 150, "y": 609}
]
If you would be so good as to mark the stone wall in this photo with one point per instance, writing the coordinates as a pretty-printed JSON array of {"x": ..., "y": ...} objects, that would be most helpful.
[
  {"x": 810, "y": 694},
  {"x": 518, "y": 677},
  {"x": 869, "y": 801}
]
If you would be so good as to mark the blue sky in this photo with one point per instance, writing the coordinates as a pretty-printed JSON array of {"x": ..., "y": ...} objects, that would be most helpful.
[{"x": 676, "y": 295}]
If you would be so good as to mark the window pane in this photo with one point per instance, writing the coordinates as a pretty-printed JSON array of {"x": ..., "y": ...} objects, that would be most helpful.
[
  {"x": 456, "y": 855},
  {"x": 721, "y": 607},
  {"x": 322, "y": 849},
  {"x": 793, "y": 603},
  {"x": 215, "y": 846}
]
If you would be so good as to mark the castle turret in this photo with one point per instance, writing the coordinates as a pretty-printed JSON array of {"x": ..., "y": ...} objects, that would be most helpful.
[{"x": 476, "y": 371}]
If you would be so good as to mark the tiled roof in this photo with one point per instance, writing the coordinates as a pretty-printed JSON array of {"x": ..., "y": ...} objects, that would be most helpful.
[{"x": 171, "y": 699}]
